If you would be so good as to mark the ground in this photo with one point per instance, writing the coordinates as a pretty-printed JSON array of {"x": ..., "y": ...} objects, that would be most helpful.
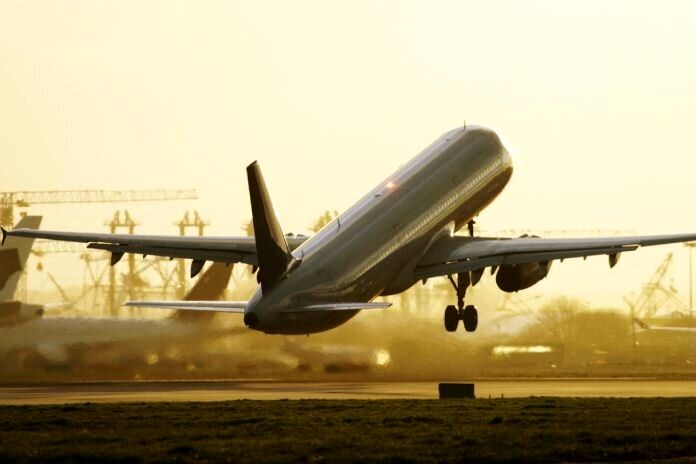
[{"x": 482, "y": 430}]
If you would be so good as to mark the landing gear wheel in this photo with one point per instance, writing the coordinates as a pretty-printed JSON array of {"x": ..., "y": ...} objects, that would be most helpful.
[
  {"x": 451, "y": 318},
  {"x": 470, "y": 318}
]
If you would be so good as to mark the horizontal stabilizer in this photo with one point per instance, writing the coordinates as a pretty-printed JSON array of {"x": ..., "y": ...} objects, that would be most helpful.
[
  {"x": 337, "y": 307},
  {"x": 237, "y": 307}
]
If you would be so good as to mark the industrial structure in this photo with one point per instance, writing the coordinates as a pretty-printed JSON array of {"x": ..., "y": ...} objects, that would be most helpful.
[
  {"x": 106, "y": 287},
  {"x": 96, "y": 263},
  {"x": 9, "y": 201},
  {"x": 658, "y": 296}
]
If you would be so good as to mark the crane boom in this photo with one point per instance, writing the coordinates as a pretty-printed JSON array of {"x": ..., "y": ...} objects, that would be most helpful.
[
  {"x": 23, "y": 199},
  {"x": 93, "y": 196}
]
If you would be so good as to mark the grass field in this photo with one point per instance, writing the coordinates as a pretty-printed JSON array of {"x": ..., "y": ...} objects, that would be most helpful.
[{"x": 390, "y": 431}]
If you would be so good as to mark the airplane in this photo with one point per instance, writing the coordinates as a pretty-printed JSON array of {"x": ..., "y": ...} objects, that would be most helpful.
[
  {"x": 83, "y": 342},
  {"x": 13, "y": 259},
  {"x": 399, "y": 233}
]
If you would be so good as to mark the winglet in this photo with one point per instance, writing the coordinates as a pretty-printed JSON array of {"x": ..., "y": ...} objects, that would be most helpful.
[{"x": 4, "y": 235}]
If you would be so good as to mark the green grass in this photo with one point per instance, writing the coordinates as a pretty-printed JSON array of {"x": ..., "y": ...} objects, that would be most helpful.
[{"x": 389, "y": 431}]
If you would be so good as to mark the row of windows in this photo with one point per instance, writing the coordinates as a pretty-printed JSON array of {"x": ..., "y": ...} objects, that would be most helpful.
[
  {"x": 405, "y": 173},
  {"x": 433, "y": 214}
]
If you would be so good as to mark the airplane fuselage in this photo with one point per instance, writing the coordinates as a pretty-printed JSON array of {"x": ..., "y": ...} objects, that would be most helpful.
[{"x": 373, "y": 248}]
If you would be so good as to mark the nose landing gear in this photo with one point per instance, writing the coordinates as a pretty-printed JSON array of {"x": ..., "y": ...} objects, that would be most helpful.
[{"x": 468, "y": 315}]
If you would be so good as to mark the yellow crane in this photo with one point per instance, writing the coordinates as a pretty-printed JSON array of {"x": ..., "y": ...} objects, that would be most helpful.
[
  {"x": 11, "y": 200},
  {"x": 657, "y": 295}
]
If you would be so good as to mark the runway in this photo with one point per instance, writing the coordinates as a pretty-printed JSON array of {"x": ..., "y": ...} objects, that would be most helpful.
[{"x": 105, "y": 392}]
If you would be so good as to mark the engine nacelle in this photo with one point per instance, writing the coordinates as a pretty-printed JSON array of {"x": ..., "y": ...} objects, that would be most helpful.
[{"x": 513, "y": 278}]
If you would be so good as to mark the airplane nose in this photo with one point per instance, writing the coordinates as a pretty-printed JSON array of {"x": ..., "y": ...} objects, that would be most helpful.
[
  {"x": 508, "y": 152},
  {"x": 251, "y": 320},
  {"x": 507, "y": 156}
]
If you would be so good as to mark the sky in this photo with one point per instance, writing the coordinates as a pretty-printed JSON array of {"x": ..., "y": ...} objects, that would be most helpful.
[{"x": 595, "y": 99}]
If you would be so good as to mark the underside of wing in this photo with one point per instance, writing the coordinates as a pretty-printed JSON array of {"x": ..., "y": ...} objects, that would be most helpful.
[
  {"x": 237, "y": 307},
  {"x": 451, "y": 255}
]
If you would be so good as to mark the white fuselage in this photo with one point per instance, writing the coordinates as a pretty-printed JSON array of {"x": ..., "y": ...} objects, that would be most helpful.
[{"x": 373, "y": 248}]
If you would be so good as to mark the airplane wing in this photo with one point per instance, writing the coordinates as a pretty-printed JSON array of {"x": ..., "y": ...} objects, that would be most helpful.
[
  {"x": 451, "y": 255},
  {"x": 219, "y": 249},
  {"x": 237, "y": 307}
]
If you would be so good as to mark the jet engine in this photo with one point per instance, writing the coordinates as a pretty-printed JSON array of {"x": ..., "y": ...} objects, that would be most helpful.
[{"x": 516, "y": 277}]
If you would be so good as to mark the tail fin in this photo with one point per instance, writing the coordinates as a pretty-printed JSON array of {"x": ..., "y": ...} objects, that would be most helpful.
[
  {"x": 271, "y": 248},
  {"x": 13, "y": 257},
  {"x": 641, "y": 324},
  {"x": 210, "y": 287}
]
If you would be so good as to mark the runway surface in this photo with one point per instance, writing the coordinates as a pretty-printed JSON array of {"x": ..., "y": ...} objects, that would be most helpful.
[{"x": 270, "y": 390}]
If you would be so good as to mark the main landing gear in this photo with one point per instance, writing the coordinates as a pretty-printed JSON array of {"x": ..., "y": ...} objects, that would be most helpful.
[{"x": 467, "y": 314}]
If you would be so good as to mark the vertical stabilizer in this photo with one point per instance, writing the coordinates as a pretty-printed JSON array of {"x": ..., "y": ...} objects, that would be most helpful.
[
  {"x": 271, "y": 248},
  {"x": 13, "y": 258}
]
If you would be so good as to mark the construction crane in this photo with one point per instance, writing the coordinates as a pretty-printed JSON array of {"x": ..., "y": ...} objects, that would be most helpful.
[
  {"x": 648, "y": 302},
  {"x": 44, "y": 247},
  {"x": 11, "y": 200},
  {"x": 107, "y": 288},
  {"x": 512, "y": 305},
  {"x": 691, "y": 246},
  {"x": 114, "y": 225}
]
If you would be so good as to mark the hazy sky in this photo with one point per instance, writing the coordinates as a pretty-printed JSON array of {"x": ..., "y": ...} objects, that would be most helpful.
[{"x": 595, "y": 98}]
